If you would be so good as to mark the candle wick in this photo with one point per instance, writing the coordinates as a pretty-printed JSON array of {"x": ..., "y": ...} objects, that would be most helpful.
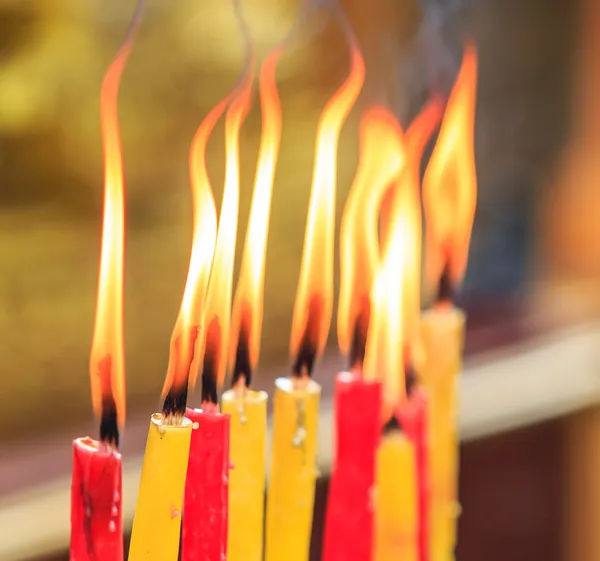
[
  {"x": 209, "y": 392},
  {"x": 446, "y": 292},
  {"x": 109, "y": 428},
  {"x": 242, "y": 369},
  {"x": 305, "y": 359},
  {"x": 392, "y": 425}
]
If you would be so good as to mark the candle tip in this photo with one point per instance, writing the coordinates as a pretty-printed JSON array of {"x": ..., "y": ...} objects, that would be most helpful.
[
  {"x": 391, "y": 425},
  {"x": 209, "y": 392},
  {"x": 175, "y": 402},
  {"x": 305, "y": 359},
  {"x": 242, "y": 369},
  {"x": 109, "y": 428},
  {"x": 446, "y": 290}
]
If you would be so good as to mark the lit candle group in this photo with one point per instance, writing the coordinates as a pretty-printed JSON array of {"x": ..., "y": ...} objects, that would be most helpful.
[{"x": 393, "y": 490}]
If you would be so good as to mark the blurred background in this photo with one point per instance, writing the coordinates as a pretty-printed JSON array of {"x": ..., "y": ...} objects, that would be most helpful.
[{"x": 536, "y": 241}]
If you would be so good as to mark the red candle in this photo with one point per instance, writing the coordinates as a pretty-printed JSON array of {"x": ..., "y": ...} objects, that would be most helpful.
[
  {"x": 349, "y": 518},
  {"x": 204, "y": 534},
  {"x": 412, "y": 415},
  {"x": 96, "y": 527}
]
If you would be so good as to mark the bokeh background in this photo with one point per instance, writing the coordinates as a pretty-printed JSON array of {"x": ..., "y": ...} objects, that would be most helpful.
[
  {"x": 536, "y": 135},
  {"x": 536, "y": 240}
]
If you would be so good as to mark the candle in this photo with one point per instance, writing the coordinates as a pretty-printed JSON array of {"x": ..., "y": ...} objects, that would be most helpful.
[
  {"x": 449, "y": 197},
  {"x": 394, "y": 312},
  {"x": 412, "y": 416},
  {"x": 96, "y": 527},
  {"x": 357, "y": 406},
  {"x": 206, "y": 491},
  {"x": 349, "y": 518},
  {"x": 248, "y": 409},
  {"x": 293, "y": 457},
  {"x": 205, "y": 521},
  {"x": 396, "y": 500},
  {"x": 442, "y": 331},
  {"x": 157, "y": 519},
  {"x": 293, "y": 469},
  {"x": 383, "y": 157},
  {"x": 96, "y": 514}
]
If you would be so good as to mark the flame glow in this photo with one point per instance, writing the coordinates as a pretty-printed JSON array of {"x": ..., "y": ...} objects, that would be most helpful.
[
  {"x": 314, "y": 298},
  {"x": 450, "y": 182},
  {"x": 417, "y": 135},
  {"x": 382, "y": 156},
  {"x": 395, "y": 294},
  {"x": 107, "y": 363},
  {"x": 247, "y": 313},
  {"x": 188, "y": 334},
  {"x": 218, "y": 298}
]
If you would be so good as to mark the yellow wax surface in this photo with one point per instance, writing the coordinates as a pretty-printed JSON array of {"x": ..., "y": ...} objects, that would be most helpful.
[
  {"x": 396, "y": 500},
  {"x": 157, "y": 519},
  {"x": 247, "y": 449},
  {"x": 293, "y": 470},
  {"x": 442, "y": 336}
]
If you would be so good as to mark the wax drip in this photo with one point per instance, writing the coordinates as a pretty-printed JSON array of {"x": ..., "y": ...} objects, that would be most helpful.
[{"x": 299, "y": 439}]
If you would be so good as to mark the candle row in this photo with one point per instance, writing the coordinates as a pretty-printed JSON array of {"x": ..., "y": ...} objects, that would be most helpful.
[{"x": 393, "y": 483}]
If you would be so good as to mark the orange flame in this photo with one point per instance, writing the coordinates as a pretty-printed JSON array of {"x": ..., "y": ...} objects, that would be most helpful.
[
  {"x": 246, "y": 323},
  {"x": 395, "y": 298},
  {"x": 382, "y": 156},
  {"x": 450, "y": 182},
  {"x": 188, "y": 334},
  {"x": 314, "y": 298},
  {"x": 218, "y": 298},
  {"x": 107, "y": 363},
  {"x": 417, "y": 135}
]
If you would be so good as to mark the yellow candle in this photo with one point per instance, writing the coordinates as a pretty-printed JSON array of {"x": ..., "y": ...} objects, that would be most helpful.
[
  {"x": 293, "y": 470},
  {"x": 396, "y": 500},
  {"x": 442, "y": 332},
  {"x": 157, "y": 520},
  {"x": 248, "y": 439}
]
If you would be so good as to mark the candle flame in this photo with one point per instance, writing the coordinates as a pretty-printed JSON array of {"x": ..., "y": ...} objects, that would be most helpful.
[
  {"x": 417, "y": 135},
  {"x": 395, "y": 298},
  {"x": 381, "y": 158},
  {"x": 218, "y": 298},
  {"x": 188, "y": 333},
  {"x": 450, "y": 181},
  {"x": 314, "y": 298},
  {"x": 246, "y": 322},
  {"x": 107, "y": 363}
]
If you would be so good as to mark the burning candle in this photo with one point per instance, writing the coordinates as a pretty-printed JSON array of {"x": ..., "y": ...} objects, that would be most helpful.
[
  {"x": 157, "y": 522},
  {"x": 248, "y": 408},
  {"x": 395, "y": 498},
  {"x": 205, "y": 521},
  {"x": 383, "y": 156},
  {"x": 96, "y": 517},
  {"x": 394, "y": 312},
  {"x": 449, "y": 196},
  {"x": 295, "y": 409},
  {"x": 358, "y": 401}
]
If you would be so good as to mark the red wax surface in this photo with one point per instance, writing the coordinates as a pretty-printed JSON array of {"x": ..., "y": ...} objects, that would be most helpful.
[
  {"x": 96, "y": 519},
  {"x": 349, "y": 518},
  {"x": 412, "y": 415},
  {"x": 204, "y": 533}
]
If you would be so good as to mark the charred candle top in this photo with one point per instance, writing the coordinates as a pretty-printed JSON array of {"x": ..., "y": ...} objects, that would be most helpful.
[
  {"x": 107, "y": 363},
  {"x": 314, "y": 298},
  {"x": 450, "y": 185}
]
